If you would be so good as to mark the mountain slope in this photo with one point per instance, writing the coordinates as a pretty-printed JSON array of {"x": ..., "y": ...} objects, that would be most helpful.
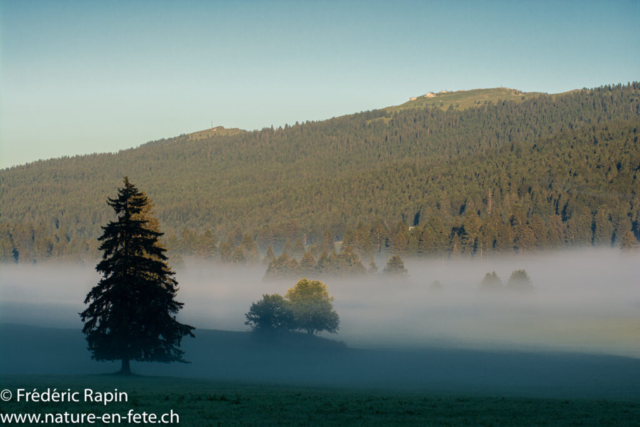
[{"x": 413, "y": 164}]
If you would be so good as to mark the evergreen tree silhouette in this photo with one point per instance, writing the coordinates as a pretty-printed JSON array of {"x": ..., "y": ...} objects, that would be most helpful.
[{"x": 131, "y": 312}]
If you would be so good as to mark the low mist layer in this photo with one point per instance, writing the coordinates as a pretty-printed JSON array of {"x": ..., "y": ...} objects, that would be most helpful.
[{"x": 584, "y": 301}]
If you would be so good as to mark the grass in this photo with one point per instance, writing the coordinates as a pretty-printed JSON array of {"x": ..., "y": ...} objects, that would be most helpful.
[
  {"x": 464, "y": 99},
  {"x": 236, "y": 379},
  {"x": 216, "y": 131},
  {"x": 212, "y": 403}
]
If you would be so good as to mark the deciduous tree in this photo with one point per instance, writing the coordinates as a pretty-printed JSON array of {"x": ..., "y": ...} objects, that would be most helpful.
[{"x": 312, "y": 307}]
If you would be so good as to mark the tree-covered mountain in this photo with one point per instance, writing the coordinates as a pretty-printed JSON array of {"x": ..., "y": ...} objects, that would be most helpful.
[{"x": 572, "y": 158}]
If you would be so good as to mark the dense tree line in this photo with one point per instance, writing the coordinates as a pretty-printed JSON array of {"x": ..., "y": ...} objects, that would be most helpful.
[
  {"x": 346, "y": 263},
  {"x": 570, "y": 163}
]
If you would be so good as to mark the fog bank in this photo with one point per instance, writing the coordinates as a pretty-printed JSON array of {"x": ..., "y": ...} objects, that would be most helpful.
[{"x": 585, "y": 301}]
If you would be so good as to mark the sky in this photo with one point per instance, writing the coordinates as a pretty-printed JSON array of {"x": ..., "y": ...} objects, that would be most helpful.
[{"x": 79, "y": 77}]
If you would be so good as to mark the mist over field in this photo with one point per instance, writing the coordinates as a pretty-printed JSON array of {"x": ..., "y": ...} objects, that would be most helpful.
[{"x": 584, "y": 301}]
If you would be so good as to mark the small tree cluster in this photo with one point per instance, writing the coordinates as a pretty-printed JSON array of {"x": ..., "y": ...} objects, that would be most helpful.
[
  {"x": 519, "y": 281},
  {"x": 307, "y": 307}
]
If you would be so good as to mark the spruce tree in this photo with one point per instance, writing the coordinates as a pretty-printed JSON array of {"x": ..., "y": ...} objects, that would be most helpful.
[
  {"x": 226, "y": 251},
  {"x": 131, "y": 312},
  {"x": 491, "y": 282},
  {"x": 269, "y": 257},
  {"x": 249, "y": 248},
  {"x": 350, "y": 262},
  {"x": 629, "y": 242},
  {"x": 395, "y": 266},
  {"x": 237, "y": 257},
  {"x": 327, "y": 243},
  {"x": 308, "y": 264},
  {"x": 348, "y": 239},
  {"x": 292, "y": 268}
]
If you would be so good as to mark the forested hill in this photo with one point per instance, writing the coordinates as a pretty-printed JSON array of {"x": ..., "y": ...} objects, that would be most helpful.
[{"x": 571, "y": 157}]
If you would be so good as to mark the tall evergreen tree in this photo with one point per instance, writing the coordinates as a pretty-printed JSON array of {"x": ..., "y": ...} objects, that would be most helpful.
[{"x": 131, "y": 313}]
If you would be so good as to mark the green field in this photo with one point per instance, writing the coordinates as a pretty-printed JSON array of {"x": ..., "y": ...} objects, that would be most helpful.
[{"x": 211, "y": 403}]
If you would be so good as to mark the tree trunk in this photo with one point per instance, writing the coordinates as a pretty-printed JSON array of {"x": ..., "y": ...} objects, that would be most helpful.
[{"x": 126, "y": 367}]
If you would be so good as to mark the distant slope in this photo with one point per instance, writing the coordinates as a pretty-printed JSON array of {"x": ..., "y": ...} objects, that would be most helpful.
[{"x": 414, "y": 164}]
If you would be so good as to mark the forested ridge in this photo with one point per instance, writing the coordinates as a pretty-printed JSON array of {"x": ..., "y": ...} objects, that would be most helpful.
[{"x": 570, "y": 161}]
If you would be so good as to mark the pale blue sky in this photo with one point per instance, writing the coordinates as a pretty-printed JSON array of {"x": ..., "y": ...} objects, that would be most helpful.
[{"x": 80, "y": 77}]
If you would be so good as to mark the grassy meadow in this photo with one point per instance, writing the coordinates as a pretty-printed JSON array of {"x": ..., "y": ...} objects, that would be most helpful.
[
  {"x": 463, "y": 99},
  {"x": 212, "y": 403}
]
